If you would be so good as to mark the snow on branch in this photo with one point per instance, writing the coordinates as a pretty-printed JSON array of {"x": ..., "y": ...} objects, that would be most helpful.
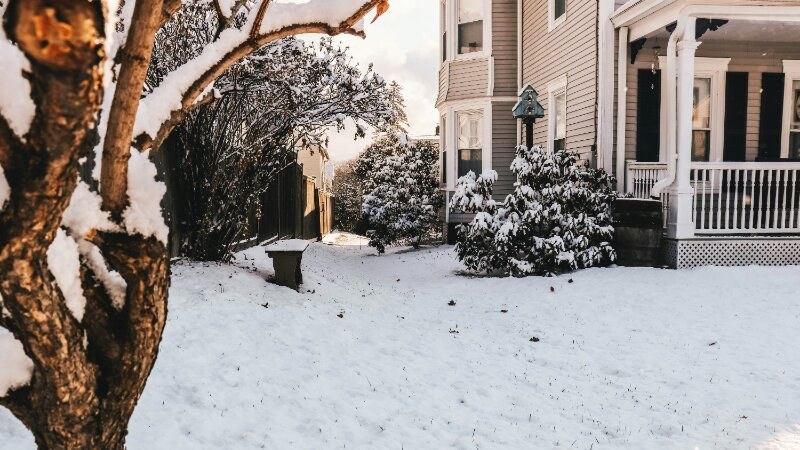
[
  {"x": 5, "y": 190},
  {"x": 265, "y": 22},
  {"x": 16, "y": 104},
  {"x": 17, "y": 368}
]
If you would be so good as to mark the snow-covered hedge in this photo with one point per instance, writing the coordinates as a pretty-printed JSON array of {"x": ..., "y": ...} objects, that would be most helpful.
[
  {"x": 557, "y": 219},
  {"x": 403, "y": 198}
]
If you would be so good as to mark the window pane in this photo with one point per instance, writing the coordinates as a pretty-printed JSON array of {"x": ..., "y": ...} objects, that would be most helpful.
[
  {"x": 470, "y": 37},
  {"x": 470, "y": 127},
  {"x": 443, "y": 28},
  {"x": 794, "y": 145},
  {"x": 701, "y": 145},
  {"x": 559, "y": 145},
  {"x": 470, "y": 160},
  {"x": 561, "y": 116},
  {"x": 796, "y": 105},
  {"x": 470, "y": 11},
  {"x": 559, "y": 8},
  {"x": 701, "y": 115}
]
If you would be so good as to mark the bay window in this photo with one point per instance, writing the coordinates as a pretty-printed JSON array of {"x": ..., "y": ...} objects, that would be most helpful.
[
  {"x": 470, "y": 26},
  {"x": 470, "y": 145}
]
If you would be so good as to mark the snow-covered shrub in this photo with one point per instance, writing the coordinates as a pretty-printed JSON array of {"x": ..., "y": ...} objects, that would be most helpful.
[
  {"x": 557, "y": 219},
  {"x": 402, "y": 198}
]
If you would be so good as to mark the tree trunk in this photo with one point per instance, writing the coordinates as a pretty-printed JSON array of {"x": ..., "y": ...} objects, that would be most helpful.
[{"x": 89, "y": 374}]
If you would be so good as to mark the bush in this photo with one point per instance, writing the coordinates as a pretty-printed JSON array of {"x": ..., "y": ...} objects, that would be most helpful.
[
  {"x": 557, "y": 219},
  {"x": 403, "y": 198}
]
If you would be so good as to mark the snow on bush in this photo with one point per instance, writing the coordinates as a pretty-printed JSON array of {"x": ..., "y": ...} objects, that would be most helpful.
[
  {"x": 16, "y": 368},
  {"x": 403, "y": 198},
  {"x": 557, "y": 219}
]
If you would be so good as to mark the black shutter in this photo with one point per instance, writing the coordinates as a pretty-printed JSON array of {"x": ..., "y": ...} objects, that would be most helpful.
[
  {"x": 648, "y": 116},
  {"x": 771, "y": 122},
  {"x": 735, "y": 116}
]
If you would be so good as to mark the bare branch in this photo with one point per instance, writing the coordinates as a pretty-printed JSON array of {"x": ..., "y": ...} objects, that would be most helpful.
[
  {"x": 246, "y": 46},
  {"x": 259, "y": 19},
  {"x": 169, "y": 8},
  {"x": 135, "y": 60}
]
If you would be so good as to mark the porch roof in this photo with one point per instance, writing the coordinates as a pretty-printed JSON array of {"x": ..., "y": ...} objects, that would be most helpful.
[{"x": 646, "y": 16}]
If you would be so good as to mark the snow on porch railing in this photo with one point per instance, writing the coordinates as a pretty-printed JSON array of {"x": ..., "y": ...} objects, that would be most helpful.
[
  {"x": 640, "y": 177},
  {"x": 746, "y": 197}
]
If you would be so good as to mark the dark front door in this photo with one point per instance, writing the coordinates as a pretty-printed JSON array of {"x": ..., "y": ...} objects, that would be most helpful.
[{"x": 648, "y": 116}]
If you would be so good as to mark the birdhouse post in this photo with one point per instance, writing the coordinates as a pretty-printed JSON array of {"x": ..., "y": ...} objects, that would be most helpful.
[{"x": 528, "y": 109}]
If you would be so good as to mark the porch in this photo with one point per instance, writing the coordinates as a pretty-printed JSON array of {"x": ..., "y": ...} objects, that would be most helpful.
[{"x": 708, "y": 120}]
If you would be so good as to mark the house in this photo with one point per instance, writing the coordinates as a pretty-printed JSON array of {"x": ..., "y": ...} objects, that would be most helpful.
[
  {"x": 317, "y": 165},
  {"x": 693, "y": 102}
]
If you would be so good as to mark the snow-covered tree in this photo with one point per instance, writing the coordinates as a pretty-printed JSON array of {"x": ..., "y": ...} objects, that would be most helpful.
[
  {"x": 87, "y": 303},
  {"x": 557, "y": 219},
  {"x": 402, "y": 197},
  {"x": 347, "y": 197},
  {"x": 285, "y": 94}
]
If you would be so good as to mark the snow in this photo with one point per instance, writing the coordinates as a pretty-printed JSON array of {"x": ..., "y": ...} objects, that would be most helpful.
[
  {"x": 5, "y": 190},
  {"x": 16, "y": 104},
  {"x": 15, "y": 371},
  {"x": 63, "y": 260},
  {"x": 143, "y": 215},
  {"x": 287, "y": 245},
  {"x": 627, "y": 358},
  {"x": 84, "y": 213}
]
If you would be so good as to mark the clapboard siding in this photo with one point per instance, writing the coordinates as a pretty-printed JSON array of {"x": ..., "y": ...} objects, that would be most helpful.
[
  {"x": 754, "y": 59},
  {"x": 444, "y": 76},
  {"x": 571, "y": 50},
  {"x": 468, "y": 79},
  {"x": 504, "y": 43},
  {"x": 504, "y": 141}
]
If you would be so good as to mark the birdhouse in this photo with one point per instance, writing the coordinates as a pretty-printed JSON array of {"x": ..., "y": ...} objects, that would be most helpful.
[{"x": 528, "y": 108}]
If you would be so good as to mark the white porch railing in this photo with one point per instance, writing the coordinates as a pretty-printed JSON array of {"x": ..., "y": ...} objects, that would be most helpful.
[
  {"x": 747, "y": 197},
  {"x": 732, "y": 197},
  {"x": 642, "y": 176}
]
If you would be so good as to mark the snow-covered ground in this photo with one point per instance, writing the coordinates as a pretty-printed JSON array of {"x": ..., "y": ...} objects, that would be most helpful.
[{"x": 370, "y": 354}]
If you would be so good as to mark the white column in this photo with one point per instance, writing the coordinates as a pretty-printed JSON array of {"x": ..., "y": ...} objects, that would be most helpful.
[
  {"x": 680, "y": 224},
  {"x": 622, "y": 107}
]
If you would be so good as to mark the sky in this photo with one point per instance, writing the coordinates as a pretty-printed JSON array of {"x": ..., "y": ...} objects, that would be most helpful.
[{"x": 403, "y": 46}]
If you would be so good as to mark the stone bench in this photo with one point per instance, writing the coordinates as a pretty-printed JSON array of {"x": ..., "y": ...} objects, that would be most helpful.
[{"x": 287, "y": 255}]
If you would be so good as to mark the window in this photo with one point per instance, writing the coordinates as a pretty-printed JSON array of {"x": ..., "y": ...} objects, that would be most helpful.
[
  {"x": 443, "y": 139},
  {"x": 443, "y": 27},
  {"x": 557, "y": 114},
  {"x": 470, "y": 26},
  {"x": 557, "y": 14},
  {"x": 470, "y": 145},
  {"x": 560, "y": 115},
  {"x": 701, "y": 120}
]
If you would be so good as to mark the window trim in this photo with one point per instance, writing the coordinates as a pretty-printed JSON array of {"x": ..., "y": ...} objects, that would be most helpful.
[
  {"x": 791, "y": 69},
  {"x": 458, "y": 149},
  {"x": 483, "y": 106},
  {"x": 554, "y": 89},
  {"x": 715, "y": 69},
  {"x": 452, "y": 33},
  {"x": 552, "y": 21}
]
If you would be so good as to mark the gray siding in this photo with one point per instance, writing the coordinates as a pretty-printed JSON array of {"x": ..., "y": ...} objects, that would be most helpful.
[
  {"x": 504, "y": 43},
  {"x": 745, "y": 57},
  {"x": 444, "y": 77},
  {"x": 504, "y": 140},
  {"x": 571, "y": 50},
  {"x": 468, "y": 79}
]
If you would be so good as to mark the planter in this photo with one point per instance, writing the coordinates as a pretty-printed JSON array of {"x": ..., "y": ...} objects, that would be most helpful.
[{"x": 638, "y": 229}]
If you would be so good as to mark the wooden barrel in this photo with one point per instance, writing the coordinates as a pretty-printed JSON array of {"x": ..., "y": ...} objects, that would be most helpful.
[{"x": 638, "y": 226}]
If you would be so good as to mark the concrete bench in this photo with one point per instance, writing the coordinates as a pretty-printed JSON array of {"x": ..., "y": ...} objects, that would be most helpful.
[{"x": 287, "y": 255}]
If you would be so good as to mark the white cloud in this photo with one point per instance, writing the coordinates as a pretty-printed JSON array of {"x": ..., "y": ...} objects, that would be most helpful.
[{"x": 403, "y": 46}]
